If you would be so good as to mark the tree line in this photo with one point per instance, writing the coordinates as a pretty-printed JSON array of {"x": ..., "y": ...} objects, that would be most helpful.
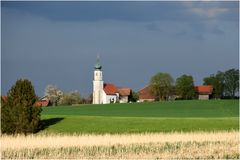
[
  {"x": 58, "y": 97},
  {"x": 19, "y": 115},
  {"x": 225, "y": 85}
]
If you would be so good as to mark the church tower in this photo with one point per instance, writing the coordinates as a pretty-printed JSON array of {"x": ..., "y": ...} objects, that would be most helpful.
[{"x": 97, "y": 83}]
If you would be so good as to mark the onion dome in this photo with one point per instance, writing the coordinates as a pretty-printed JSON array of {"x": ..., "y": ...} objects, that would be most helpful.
[{"x": 98, "y": 65}]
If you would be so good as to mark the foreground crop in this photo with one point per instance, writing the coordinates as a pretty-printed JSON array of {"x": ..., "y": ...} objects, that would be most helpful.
[{"x": 160, "y": 145}]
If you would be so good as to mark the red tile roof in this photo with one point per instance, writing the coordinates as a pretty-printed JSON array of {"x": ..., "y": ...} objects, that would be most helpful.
[
  {"x": 145, "y": 93},
  {"x": 42, "y": 102},
  {"x": 124, "y": 91},
  {"x": 110, "y": 89},
  {"x": 204, "y": 89}
]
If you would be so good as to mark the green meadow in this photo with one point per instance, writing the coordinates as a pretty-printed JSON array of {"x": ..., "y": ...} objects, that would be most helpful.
[{"x": 170, "y": 116}]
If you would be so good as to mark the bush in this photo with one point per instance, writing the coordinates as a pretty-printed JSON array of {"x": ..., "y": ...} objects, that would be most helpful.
[{"x": 18, "y": 115}]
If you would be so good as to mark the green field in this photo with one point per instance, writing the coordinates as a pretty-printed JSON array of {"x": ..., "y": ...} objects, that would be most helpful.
[{"x": 171, "y": 116}]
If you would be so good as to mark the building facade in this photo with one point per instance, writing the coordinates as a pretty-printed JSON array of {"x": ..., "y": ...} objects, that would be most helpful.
[
  {"x": 104, "y": 93},
  {"x": 98, "y": 84},
  {"x": 145, "y": 95},
  {"x": 204, "y": 92}
]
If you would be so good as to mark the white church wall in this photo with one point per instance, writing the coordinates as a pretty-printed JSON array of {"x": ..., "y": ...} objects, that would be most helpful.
[
  {"x": 110, "y": 98},
  {"x": 104, "y": 97},
  {"x": 97, "y": 92}
]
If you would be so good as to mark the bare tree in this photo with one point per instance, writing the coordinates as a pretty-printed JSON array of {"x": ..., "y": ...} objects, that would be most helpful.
[
  {"x": 70, "y": 98},
  {"x": 53, "y": 93}
]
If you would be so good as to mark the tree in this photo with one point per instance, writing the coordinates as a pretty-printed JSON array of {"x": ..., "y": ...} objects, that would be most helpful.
[
  {"x": 134, "y": 97},
  {"x": 217, "y": 82},
  {"x": 161, "y": 85},
  {"x": 87, "y": 100},
  {"x": 90, "y": 99},
  {"x": 54, "y": 94},
  {"x": 18, "y": 113},
  {"x": 231, "y": 82},
  {"x": 70, "y": 98},
  {"x": 224, "y": 83},
  {"x": 185, "y": 87}
]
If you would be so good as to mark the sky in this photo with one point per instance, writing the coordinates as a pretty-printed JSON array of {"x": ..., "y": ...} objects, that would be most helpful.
[{"x": 58, "y": 42}]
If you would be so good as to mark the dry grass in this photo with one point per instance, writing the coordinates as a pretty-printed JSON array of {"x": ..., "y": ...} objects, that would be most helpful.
[{"x": 128, "y": 146}]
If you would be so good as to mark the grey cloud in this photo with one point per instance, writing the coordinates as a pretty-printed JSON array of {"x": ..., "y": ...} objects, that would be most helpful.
[
  {"x": 127, "y": 11},
  {"x": 153, "y": 27},
  {"x": 64, "y": 52},
  {"x": 217, "y": 30}
]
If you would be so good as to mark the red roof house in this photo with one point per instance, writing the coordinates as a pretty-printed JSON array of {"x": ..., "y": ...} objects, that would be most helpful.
[
  {"x": 124, "y": 94},
  {"x": 145, "y": 94},
  {"x": 114, "y": 94},
  {"x": 110, "y": 89},
  {"x": 204, "y": 91},
  {"x": 124, "y": 91},
  {"x": 42, "y": 102}
]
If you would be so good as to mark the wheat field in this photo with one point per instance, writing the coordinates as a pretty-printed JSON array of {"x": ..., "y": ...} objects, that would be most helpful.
[{"x": 206, "y": 145}]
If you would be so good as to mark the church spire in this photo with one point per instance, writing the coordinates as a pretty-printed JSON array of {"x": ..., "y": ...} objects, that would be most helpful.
[{"x": 98, "y": 65}]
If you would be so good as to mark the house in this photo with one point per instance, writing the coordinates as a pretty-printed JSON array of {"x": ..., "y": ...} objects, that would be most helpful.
[
  {"x": 113, "y": 94},
  {"x": 109, "y": 94},
  {"x": 146, "y": 95},
  {"x": 124, "y": 94},
  {"x": 204, "y": 92},
  {"x": 44, "y": 101},
  {"x": 104, "y": 93}
]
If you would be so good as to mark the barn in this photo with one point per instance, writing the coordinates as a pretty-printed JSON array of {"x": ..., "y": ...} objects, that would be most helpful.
[{"x": 204, "y": 92}]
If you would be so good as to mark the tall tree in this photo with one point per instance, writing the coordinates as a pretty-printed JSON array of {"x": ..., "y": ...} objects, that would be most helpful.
[
  {"x": 231, "y": 82},
  {"x": 217, "y": 82},
  {"x": 224, "y": 83},
  {"x": 161, "y": 85},
  {"x": 185, "y": 87},
  {"x": 134, "y": 97},
  {"x": 18, "y": 113}
]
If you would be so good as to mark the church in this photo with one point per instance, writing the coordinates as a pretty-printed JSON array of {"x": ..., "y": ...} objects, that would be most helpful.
[{"x": 104, "y": 93}]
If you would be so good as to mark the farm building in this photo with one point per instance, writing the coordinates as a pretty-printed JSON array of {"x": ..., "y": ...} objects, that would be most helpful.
[
  {"x": 146, "y": 95},
  {"x": 44, "y": 101},
  {"x": 124, "y": 94},
  {"x": 112, "y": 94},
  {"x": 104, "y": 93},
  {"x": 204, "y": 92}
]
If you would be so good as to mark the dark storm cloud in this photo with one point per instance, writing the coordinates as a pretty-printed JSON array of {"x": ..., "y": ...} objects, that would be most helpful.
[
  {"x": 129, "y": 11},
  {"x": 58, "y": 42}
]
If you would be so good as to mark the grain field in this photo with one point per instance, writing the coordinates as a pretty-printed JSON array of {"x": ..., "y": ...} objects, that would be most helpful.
[{"x": 123, "y": 146}]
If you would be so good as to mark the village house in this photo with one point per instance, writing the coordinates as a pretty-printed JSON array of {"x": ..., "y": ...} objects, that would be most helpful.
[
  {"x": 146, "y": 95},
  {"x": 113, "y": 94},
  {"x": 204, "y": 92},
  {"x": 44, "y": 101},
  {"x": 104, "y": 93}
]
